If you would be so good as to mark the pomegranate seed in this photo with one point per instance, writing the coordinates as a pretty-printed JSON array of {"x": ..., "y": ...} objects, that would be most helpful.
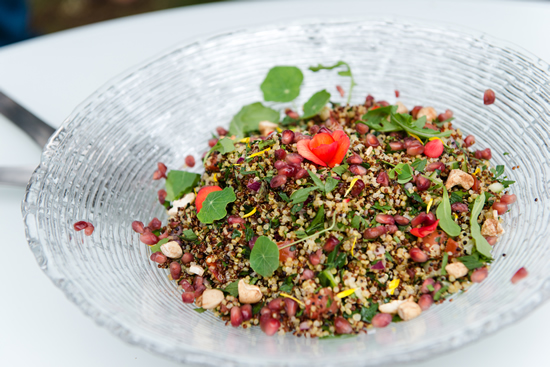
[
  {"x": 162, "y": 196},
  {"x": 280, "y": 154},
  {"x": 391, "y": 228},
  {"x": 469, "y": 141},
  {"x": 252, "y": 242},
  {"x": 294, "y": 158},
  {"x": 291, "y": 306},
  {"x": 477, "y": 154},
  {"x": 434, "y": 148},
  {"x": 164, "y": 235},
  {"x": 361, "y": 128},
  {"x": 357, "y": 170},
  {"x": 410, "y": 142},
  {"x": 157, "y": 175},
  {"x": 299, "y": 136},
  {"x": 265, "y": 311},
  {"x": 236, "y": 316},
  {"x": 397, "y": 145},
  {"x": 372, "y": 141},
  {"x": 435, "y": 165},
  {"x": 212, "y": 142},
  {"x": 175, "y": 270},
  {"x": 486, "y": 153},
  {"x": 383, "y": 178},
  {"x": 276, "y": 305},
  {"x": 89, "y": 229},
  {"x": 308, "y": 274},
  {"x": 459, "y": 208},
  {"x": 501, "y": 208},
  {"x": 424, "y": 289},
  {"x": 357, "y": 188},
  {"x": 396, "y": 93},
  {"x": 354, "y": 159},
  {"x": 415, "y": 110},
  {"x": 417, "y": 255},
  {"x": 188, "y": 297},
  {"x": 314, "y": 259},
  {"x": 280, "y": 164},
  {"x": 422, "y": 183},
  {"x": 158, "y": 257},
  {"x": 325, "y": 130},
  {"x": 381, "y": 320},
  {"x": 340, "y": 90},
  {"x": 287, "y": 137},
  {"x": 162, "y": 167},
  {"x": 369, "y": 101},
  {"x": 401, "y": 220},
  {"x": 430, "y": 219},
  {"x": 221, "y": 131},
  {"x": 508, "y": 199},
  {"x": 383, "y": 103},
  {"x": 415, "y": 150},
  {"x": 246, "y": 311},
  {"x": 492, "y": 240},
  {"x": 384, "y": 219},
  {"x": 79, "y": 226},
  {"x": 186, "y": 286},
  {"x": 155, "y": 224},
  {"x": 269, "y": 325},
  {"x": 425, "y": 301},
  {"x": 342, "y": 326},
  {"x": 301, "y": 173},
  {"x": 479, "y": 275},
  {"x": 519, "y": 275},
  {"x": 371, "y": 233},
  {"x": 137, "y": 226},
  {"x": 187, "y": 258},
  {"x": 190, "y": 161},
  {"x": 419, "y": 219},
  {"x": 314, "y": 129},
  {"x": 330, "y": 244},
  {"x": 148, "y": 238},
  {"x": 488, "y": 97},
  {"x": 292, "y": 114},
  {"x": 277, "y": 181},
  {"x": 289, "y": 171},
  {"x": 235, "y": 219}
]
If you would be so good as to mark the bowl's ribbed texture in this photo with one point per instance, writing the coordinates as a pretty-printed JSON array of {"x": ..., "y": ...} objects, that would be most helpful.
[{"x": 98, "y": 167}]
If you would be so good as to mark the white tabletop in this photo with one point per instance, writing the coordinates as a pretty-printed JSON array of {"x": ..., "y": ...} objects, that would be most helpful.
[{"x": 51, "y": 75}]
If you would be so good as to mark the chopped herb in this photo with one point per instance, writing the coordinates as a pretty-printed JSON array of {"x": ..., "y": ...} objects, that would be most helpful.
[
  {"x": 287, "y": 284},
  {"x": 346, "y": 72},
  {"x": 199, "y": 310},
  {"x": 214, "y": 205},
  {"x": 367, "y": 313},
  {"x": 419, "y": 164},
  {"x": 498, "y": 171},
  {"x": 248, "y": 233},
  {"x": 265, "y": 143},
  {"x": 341, "y": 169},
  {"x": 224, "y": 145},
  {"x": 282, "y": 84},
  {"x": 301, "y": 195},
  {"x": 156, "y": 247},
  {"x": 318, "y": 223},
  {"x": 287, "y": 120},
  {"x": 358, "y": 222},
  {"x": 257, "y": 308},
  {"x": 405, "y": 122},
  {"x": 382, "y": 208},
  {"x": 430, "y": 287},
  {"x": 445, "y": 217},
  {"x": 327, "y": 279},
  {"x": 296, "y": 208},
  {"x": 264, "y": 258},
  {"x": 505, "y": 153},
  {"x": 235, "y": 234},
  {"x": 232, "y": 288},
  {"x": 440, "y": 292},
  {"x": 472, "y": 261},
  {"x": 444, "y": 263},
  {"x": 284, "y": 197},
  {"x": 389, "y": 257},
  {"x": 179, "y": 183},
  {"x": 315, "y": 104},
  {"x": 456, "y": 196},
  {"x": 337, "y": 336},
  {"x": 403, "y": 172},
  {"x": 330, "y": 184},
  {"x": 189, "y": 235}
]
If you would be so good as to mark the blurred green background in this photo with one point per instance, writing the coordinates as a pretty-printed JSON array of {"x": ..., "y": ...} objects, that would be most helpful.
[{"x": 47, "y": 16}]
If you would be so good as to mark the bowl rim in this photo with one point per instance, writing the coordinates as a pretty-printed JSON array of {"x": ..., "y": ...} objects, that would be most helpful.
[{"x": 469, "y": 334}]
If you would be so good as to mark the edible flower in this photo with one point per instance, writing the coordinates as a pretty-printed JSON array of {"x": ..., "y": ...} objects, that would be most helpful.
[
  {"x": 346, "y": 293},
  {"x": 325, "y": 149},
  {"x": 424, "y": 231},
  {"x": 249, "y": 214},
  {"x": 393, "y": 285},
  {"x": 293, "y": 298}
]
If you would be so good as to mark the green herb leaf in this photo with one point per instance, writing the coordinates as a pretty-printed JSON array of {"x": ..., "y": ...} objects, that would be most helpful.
[
  {"x": 403, "y": 172},
  {"x": 498, "y": 171},
  {"x": 430, "y": 287},
  {"x": 507, "y": 183},
  {"x": 316, "y": 180},
  {"x": 301, "y": 195},
  {"x": 346, "y": 72},
  {"x": 456, "y": 196},
  {"x": 179, "y": 183},
  {"x": 249, "y": 117},
  {"x": 296, "y": 208},
  {"x": 264, "y": 258},
  {"x": 189, "y": 235},
  {"x": 156, "y": 247},
  {"x": 213, "y": 207},
  {"x": 367, "y": 313},
  {"x": 389, "y": 257},
  {"x": 262, "y": 144},
  {"x": 288, "y": 285},
  {"x": 472, "y": 261},
  {"x": 382, "y": 208},
  {"x": 406, "y": 123},
  {"x": 232, "y": 288},
  {"x": 444, "y": 263},
  {"x": 377, "y": 119},
  {"x": 330, "y": 184},
  {"x": 482, "y": 246},
  {"x": 357, "y": 222},
  {"x": 199, "y": 310},
  {"x": 419, "y": 164},
  {"x": 440, "y": 292},
  {"x": 341, "y": 169},
  {"x": 445, "y": 217},
  {"x": 301, "y": 234},
  {"x": 284, "y": 197},
  {"x": 325, "y": 278},
  {"x": 318, "y": 223},
  {"x": 282, "y": 84},
  {"x": 315, "y": 104},
  {"x": 224, "y": 145},
  {"x": 235, "y": 234}
]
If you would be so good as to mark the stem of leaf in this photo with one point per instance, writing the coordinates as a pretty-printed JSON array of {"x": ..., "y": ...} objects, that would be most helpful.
[{"x": 315, "y": 234}]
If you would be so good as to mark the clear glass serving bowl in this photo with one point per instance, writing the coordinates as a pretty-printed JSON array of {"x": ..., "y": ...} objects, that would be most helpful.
[{"x": 98, "y": 167}]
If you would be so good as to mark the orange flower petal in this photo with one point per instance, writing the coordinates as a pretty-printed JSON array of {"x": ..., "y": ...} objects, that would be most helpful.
[
  {"x": 325, "y": 152},
  {"x": 343, "y": 145},
  {"x": 303, "y": 149},
  {"x": 321, "y": 139}
]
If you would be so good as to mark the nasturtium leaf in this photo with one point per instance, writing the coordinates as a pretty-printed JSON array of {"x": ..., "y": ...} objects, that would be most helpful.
[
  {"x": 224, "y": 145},
  {"x": 316, "y": 103},
  {"x": 282, "y": 84},
  {"x": 214, "y": 206},
  {"x": 445, "y": 217},
  {"x": 264, "y": 258},
  {"x": 482, "y": 246},
  {"x": 249, "y": 117},
  {"x": 179, "y": 183}
]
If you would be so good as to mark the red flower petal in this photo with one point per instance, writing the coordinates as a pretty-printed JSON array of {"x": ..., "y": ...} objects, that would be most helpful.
[
  {"x": 303, "y": 149},
  {"x": 424, "y": 231},
  {"x": 343, "y": 145},
  {"x": 325, "y": 152},
  {"x": 320, "y": 139}
]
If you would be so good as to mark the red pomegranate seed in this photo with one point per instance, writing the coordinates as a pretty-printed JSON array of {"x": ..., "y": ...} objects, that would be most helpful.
[
  {"x": 486, "y": 153},
  {"x": 358, "y": 188},
  {"x": 190, "y": 161},
  {"x": 397, "y": 145},
  {"x": 361, "y": 128},
  {"x": 269, "y": 325},
  {"x": 221, "y": 131},
  {"x": 212, "y": 142},
  {"x": 280, "y": 154},
  {"x": 381, "y": 320},
  {"x": 287, "y": 137},
  {"x": 508, "y": 199},
  {"x": 396, "y": 93},
  {"x": 186, "y": 286},
  {"x": 369, "y": 101},
  {"x": 246, "y": 311},
  {"x": 188, "y": 297},
  {"x": 354, "y": 159},
  {"x": 314, "y": 259},
  {"x": 187, "y": 258},
  {"x": 477, "y": 154},
  {"x": 488, "y": 97},
  {"x": 384, "y": 219},
  {"x": 492, "y": 240},
  {"x": 372, "y": 141},
  {"x": 422, "y": 183},
  {"x": 330, "y": 244},
  {"x": 314, "y": 129},
  {"x": 155, "y": 224},
  {"x": 357, "y": 170},
  {"x": 383, "y": 103},
  {"x": 410, "y": 142},
  {"x": 148, "y": 238},
  {"x": 469, "y": 141},
  {"x": 415, "y": 110},
  {"x": 301, "y": 173},
  {"x": 425, "y": 301},
  {"x": 235, "y": 219},
  {"x": 137, "y": 226},
  {"x": 415, "y": 150},
  {"x": 236, "y": 316},
  {"x": 300, "y": 136},
  {"x": 342, "y": 326},
  {"x": 435, "y": 165},
  {"x": 158, "y": 257},
  {"x": 383, "y": 178},
  {"x": 289, "y": 171},
  {"x": 294, "y": 158},
  {"x": 277, "y": 181},
  {"x": 519, "y": 275},
  {"x": 291, "y": 306},
  {"x": 401, "y": 220},
  {"x": 308, "y": 274},
  {"x": 417, "y": 255},
  {"x": 391, "y": 228},
  {"x": 340, "y": 90},
  {"x": 280, "y": 164},
  {"x": 424, "y": 289},
  {"x": 501, "y": 208},
  {"x": 199, "y": 290},
  {"x": 265, "y": 311},
  {"x": 162, "y": 196},
  {"x": 89, "y": 229},
  {"x": 252, "y": 242},
  {"x": 371, "y": 233},
  {"x": 430, "y": 219},
  {"x": 459, "y": 208},
  {"x": 325, "y": 130},
  {"x": 79, "y": 226},
  {"x": 175, "y": 270},
  {"x": 162, "y": 167},
  {"x": 419, "y": 219},
  {"x": 479, "y": 275},
  {"x": 198, "y": 281},
  {"x": 276, "y": 305},
  {"x": 292, "y": 114},
  {"x": 433, "y": 148}
]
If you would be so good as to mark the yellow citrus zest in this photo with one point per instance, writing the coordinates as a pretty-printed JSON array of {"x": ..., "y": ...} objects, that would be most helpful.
[
  {"x": 279, "y": 130},
  {"x": 393, "y": 284},
  {"x": 477, "y": 171},
  {"x": 249, "y": 214},
  {"x": 351, "y": 186},
  {"x": 259, "y": 153},
  {"x": 429, "y": 205},
  {"x": 416, "y": 137},
  {"x": 456, "y": 216},
  {"x": 294, "y": 298},
  {"x": 215, "y": 177},
  {"x": 353, "y": 245},
  {"x": 347, "y": 292}
]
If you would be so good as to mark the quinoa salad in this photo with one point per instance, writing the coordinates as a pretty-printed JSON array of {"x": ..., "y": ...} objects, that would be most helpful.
[{"x": 332, "y": 220}]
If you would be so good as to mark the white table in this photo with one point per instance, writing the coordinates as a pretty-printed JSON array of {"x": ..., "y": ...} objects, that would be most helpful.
[{"x": 50, "y": 75}]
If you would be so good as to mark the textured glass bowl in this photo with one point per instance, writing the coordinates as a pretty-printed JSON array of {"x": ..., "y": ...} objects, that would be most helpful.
[{"x": 99, "y": 164}]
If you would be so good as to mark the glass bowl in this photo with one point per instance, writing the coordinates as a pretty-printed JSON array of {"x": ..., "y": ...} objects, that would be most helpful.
[{"x": 98, "y": 167}]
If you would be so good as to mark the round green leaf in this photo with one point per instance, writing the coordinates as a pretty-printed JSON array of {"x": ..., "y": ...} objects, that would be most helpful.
[
  {"x": 213, "y": 207},
  {"x": 316, "y": 103},
  {"x": 264, "y": 258},
  {"x": 282, "y": 84}
]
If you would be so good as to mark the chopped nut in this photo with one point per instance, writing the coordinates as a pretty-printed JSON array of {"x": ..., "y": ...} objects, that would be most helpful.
[
  {"x": 181, "y": 203},
  {"x": 401, "y": 108},
  {"x": 491, "y": 227},
  {"x": 409, "y": 310},
  {"x": 172, "y": 250},
  {"x": 210, "y": 299},
  {"x": 457, "y": 270},
  {"x": 390, "y": 307},
  {"x": 196, "y": 269},
  {"x": 267, "y": 127},
  {"x": 459, "y": 177},
  {"x": 249, "y": 293},
  {"x": 429, "y": 112}
]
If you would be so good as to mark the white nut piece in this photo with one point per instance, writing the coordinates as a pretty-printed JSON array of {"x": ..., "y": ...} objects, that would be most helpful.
[
  {"x": 401, "y": 108},
  {"x": 267, "y": 127},
  {"x": 196, "y": 269},
  {"x": 249, "y": 293},
  {"x": 390, "y": 307},
  {"x": 429, "y": 112},
  {"x": 210, "y": 299},
  {"x": 172, "y": 250},
  {"x": 409, "y": 310},
  {"x": 457, "y": 270},
  {"x": 181, "y": 203},
  {"x": 491, "y": 227},
  {"x": 459, "y": 177}
]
